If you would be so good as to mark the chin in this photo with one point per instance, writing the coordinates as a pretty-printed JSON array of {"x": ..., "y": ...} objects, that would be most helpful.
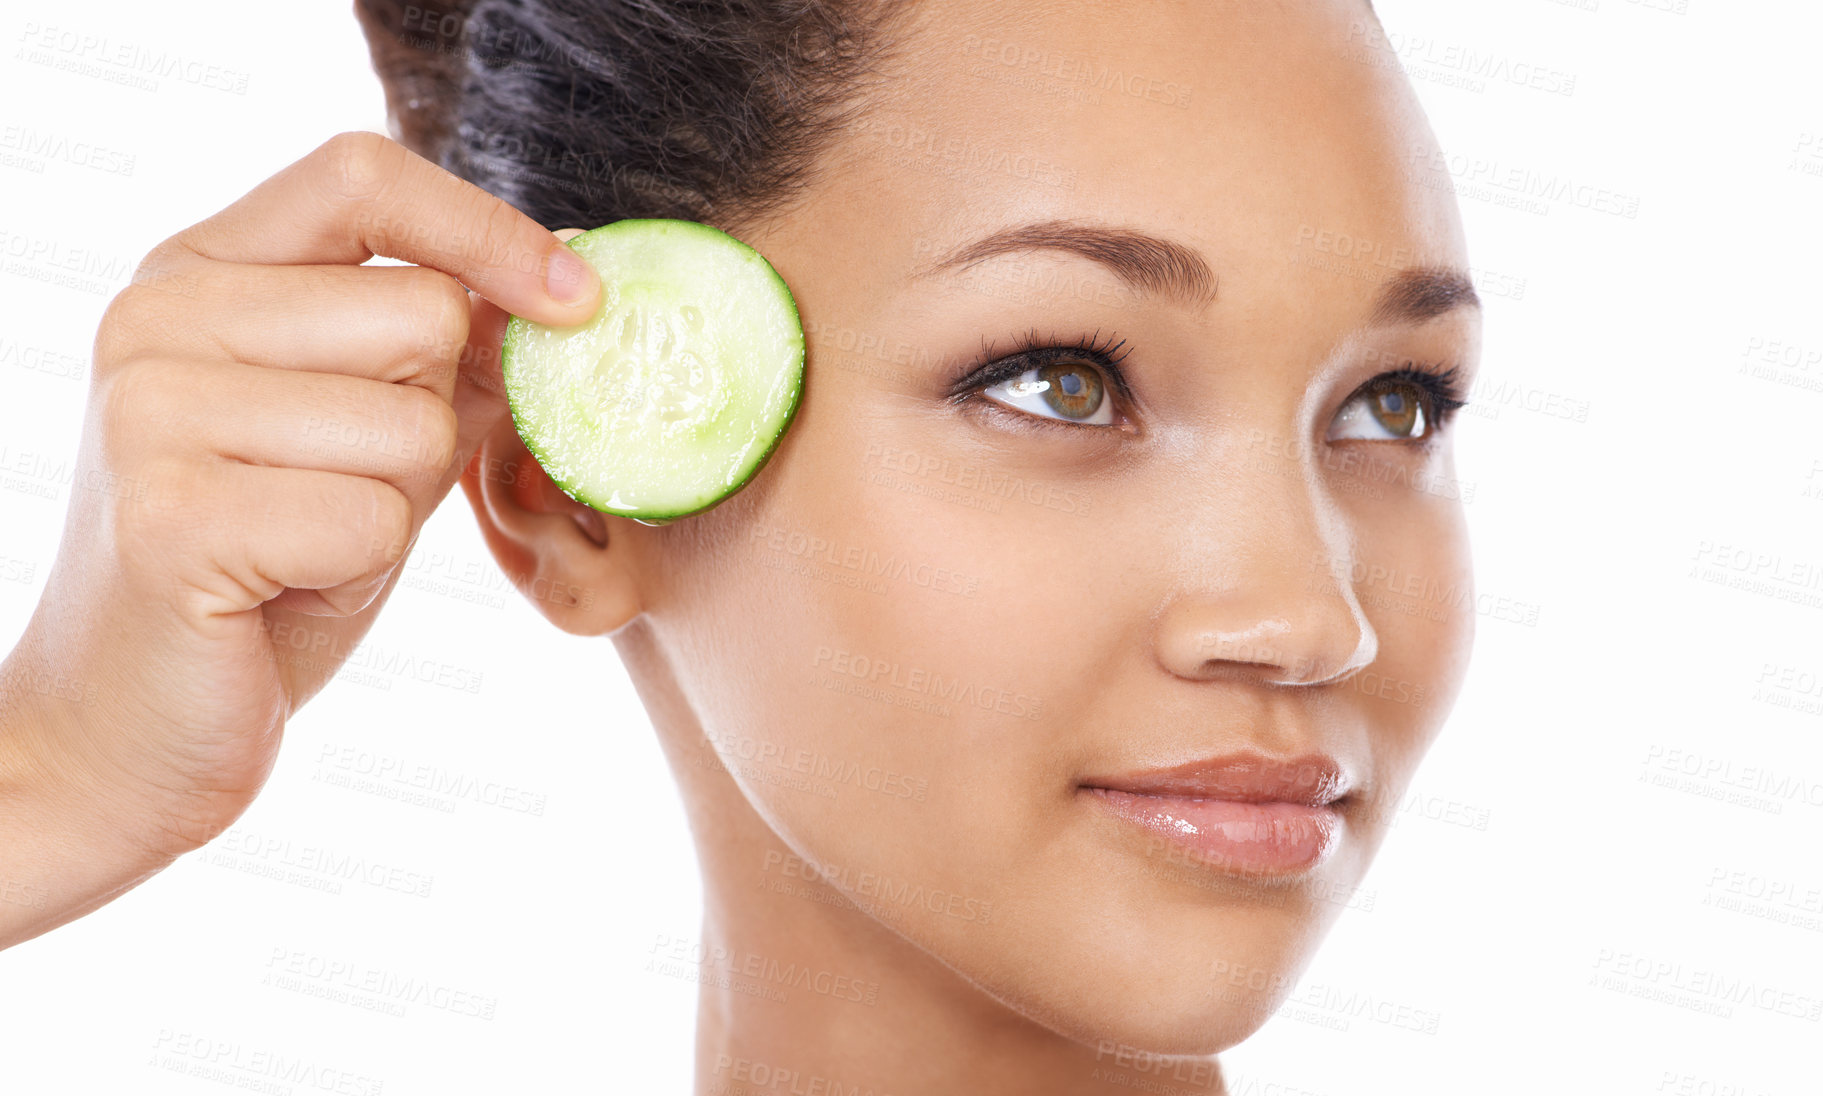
[
  {"x": 1180, "y": 1018},
  {"x": 1147, "y": 968}
]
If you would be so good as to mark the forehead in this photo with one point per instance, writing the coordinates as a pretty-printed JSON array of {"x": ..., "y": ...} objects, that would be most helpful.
[{"x": 1254, "y": 132}]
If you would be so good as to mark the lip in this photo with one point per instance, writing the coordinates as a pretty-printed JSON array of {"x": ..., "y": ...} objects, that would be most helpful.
[{"x": 1245, "y": 814}]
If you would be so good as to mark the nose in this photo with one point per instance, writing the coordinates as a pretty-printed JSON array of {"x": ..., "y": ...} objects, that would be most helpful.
[{"x": 1263, "y": 598}]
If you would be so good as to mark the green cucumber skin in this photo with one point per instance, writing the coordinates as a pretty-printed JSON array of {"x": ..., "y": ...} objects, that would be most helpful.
[{"x": 518, "y": 326}]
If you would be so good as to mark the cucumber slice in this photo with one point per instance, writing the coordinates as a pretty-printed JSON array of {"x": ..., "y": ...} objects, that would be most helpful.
[{"x": 675, "y": 394}]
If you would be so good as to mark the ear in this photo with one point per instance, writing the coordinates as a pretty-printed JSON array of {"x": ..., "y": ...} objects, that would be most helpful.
[{"x": 572, "y": 562}]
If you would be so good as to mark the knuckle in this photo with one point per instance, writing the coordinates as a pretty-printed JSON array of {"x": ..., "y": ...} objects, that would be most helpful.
[
  {"x": 170, "y": 267},
  {"x": 440, "y": 315},
  {"x": 426, "y": 423},
  {"x": 356, "y": 164},
  {"x": 132, "y": 319},
  {"x": 116, "y": 396},
  {"x": 166, "y": 504},
  {"x": 172, "y": 270},
  {"x": 436, "y": 432},
  {"x": 140, "y": 396},
  {"x": 388, "y": 524}
]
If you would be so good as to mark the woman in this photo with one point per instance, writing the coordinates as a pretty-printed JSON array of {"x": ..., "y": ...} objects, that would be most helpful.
[{"x": 1045, "y": 697}]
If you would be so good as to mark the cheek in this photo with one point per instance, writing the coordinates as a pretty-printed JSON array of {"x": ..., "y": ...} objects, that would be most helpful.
[
  {"x": 1413, "y": 577},
  {"x": 858, "y": 663}
]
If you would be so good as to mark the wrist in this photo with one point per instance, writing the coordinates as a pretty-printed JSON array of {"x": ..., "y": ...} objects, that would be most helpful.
[{"x": 65, "y": 843}]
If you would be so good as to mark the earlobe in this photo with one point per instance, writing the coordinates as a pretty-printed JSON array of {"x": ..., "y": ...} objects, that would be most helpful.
[{"x": 573, "y": 563}]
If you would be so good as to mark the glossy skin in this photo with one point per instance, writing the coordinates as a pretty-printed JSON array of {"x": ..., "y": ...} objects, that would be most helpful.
[{"x": 1169, "y": 599}]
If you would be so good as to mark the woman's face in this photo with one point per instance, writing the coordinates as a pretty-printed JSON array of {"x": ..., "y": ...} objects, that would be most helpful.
[{"x": 958, "y": 652}]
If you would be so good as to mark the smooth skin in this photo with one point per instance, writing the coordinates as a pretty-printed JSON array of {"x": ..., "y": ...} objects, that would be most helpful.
[
  {"x": 1208, "y": 575},
  {"x": 1170, "y": 595}
]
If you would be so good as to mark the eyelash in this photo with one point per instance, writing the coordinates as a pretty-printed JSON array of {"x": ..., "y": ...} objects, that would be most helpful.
[{"x": 1441, "y": 384}]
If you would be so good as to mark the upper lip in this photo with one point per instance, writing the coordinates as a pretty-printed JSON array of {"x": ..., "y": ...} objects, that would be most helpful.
[{"x": 1312, "y": 779}]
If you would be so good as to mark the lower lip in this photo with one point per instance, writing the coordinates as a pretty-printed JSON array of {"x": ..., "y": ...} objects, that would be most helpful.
[{"x": 1245, "y": 838}]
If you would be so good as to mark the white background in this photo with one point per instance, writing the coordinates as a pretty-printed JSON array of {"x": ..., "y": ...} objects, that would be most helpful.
[{"x": 1603, "y": 870}]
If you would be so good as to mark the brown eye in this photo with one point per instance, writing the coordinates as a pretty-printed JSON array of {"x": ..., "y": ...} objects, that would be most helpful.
[
  {"x": 1399, "y": 409},
  {"x": 1382, "y": 411},
  {"x": 1070, "y": 391}
]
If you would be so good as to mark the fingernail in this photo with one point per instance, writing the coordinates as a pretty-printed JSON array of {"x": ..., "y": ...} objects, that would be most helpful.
[{"x": 567, "y": 278}]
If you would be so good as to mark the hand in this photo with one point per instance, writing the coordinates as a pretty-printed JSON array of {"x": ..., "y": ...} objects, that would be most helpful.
[{"x": 269, "y": 425}]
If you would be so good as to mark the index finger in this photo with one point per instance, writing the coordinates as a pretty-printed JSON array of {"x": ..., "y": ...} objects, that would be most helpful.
[{"x": 360, "y": 194}]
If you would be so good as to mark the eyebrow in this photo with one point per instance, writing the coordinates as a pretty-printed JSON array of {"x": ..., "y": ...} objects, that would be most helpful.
[
  {"x": 1420, "y": 293},
  {"x": 1147, "y": 263},
  {"x": 1151, "y": 264}
]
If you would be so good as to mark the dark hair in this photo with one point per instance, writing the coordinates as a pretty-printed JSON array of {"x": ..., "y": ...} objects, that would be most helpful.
[{"x": 582, "y": 112}]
